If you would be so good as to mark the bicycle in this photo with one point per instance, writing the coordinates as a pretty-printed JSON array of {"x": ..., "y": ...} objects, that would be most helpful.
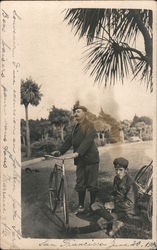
[
  {"x": 58, "y": 195},
  {"x": 144, "y": 183}
]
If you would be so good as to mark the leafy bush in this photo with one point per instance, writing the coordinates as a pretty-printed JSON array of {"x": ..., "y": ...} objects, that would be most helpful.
[{"x": 45, "y": 147}]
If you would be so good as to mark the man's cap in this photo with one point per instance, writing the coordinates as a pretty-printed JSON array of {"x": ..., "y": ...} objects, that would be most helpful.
[
  {"x": 120, "y": 162},
  {"x": 80, "y": 107}
]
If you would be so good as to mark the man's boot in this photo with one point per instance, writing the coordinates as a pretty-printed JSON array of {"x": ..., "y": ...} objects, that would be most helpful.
[
  {"x": 92, "y": 197},
  {"x": 81, "y": 198},
  {"x": 92, "y": 200}
]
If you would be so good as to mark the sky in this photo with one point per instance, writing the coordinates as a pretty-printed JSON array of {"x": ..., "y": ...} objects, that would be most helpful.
[{"x": 52, "y": 56}]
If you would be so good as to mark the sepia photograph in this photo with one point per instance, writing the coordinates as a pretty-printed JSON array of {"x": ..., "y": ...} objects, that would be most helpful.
[{"x": 78, "y": 130}]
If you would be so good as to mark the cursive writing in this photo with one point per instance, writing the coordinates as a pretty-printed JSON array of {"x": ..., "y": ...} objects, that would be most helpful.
[
  {"x": 4, "y": 112},
  {"x": 16, "y": 177},
  {"x": 113, "y": 243},
  {"x": 5, "y": 16},
  {"x": 11, "y": 172},
  {"x": 17, "y": 231},
  {"x": 14, "y": 121},
  {"x": 6, "y": 179},
  {"x": 10, "y": 232},
  {"x": 4, "y": 198},
  {"x": 16, "y": 66},
  {"x": 13, "y": 159},
  {"x": 6, "y": 230},
  {"x": 5, "y": 48},
  {"x": 15, "y": 18},
  {"x": 5, "y": 157}
]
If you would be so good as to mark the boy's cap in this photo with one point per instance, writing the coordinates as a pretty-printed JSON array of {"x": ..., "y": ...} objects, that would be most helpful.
[
  {"x": 80, "y": 107},
  {"x": 121, "y": 162}
]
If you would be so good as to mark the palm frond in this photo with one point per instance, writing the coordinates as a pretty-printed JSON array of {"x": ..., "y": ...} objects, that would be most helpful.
[
  {"x": 143, "y": 71},
  {"x": 108, "y": 61},
  {"x": 85, "y": 21},
  {"x": 121, "y": 22},
  {"x": 110, "y": 33}
]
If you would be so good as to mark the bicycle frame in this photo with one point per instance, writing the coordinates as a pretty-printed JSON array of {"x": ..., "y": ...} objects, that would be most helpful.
[
  {"x": 56, "y": 192},
  {"x": 144, "y": 190},
  {"x": 61, "y": 158}
]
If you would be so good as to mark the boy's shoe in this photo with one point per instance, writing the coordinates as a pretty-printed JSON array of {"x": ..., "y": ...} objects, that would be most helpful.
[
  {"x": 80, "y": 210},
  {"x": 102, "y": 223},
  {"x": 115, "y": 227}
]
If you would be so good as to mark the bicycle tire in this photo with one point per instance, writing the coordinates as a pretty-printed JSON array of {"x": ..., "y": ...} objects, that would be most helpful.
[
  {"x": 150, "y": 209},
  {"x": 65, "y": 205},
  {"x": 138, "y": 175},
  {"x": 58, "y": 197},
  {"x": 53, "y": 190}
]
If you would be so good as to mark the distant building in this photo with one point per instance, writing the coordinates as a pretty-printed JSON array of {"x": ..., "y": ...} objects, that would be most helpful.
[{"x": 140, "y": 129}]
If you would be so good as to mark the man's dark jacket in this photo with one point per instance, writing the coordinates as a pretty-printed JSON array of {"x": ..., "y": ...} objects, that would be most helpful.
[{"x": 82, "y": 143}]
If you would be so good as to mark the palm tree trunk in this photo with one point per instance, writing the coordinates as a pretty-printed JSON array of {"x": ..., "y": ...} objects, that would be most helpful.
[
  {"x": 27, "y": 133},
  {"x": 146, "y": 36}
]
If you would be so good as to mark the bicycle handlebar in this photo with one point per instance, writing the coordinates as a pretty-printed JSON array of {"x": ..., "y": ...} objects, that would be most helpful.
[{"x": 62, "y": 158}]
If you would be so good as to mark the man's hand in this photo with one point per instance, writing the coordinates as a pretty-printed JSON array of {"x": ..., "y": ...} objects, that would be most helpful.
[
  {"x": 109, "y": 205},
  {"x": 56, "y": 153},
  {"x": 74, "y": 155}
]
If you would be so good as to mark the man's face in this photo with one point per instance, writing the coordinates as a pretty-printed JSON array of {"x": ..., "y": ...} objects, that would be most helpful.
[
  {"x": 120, "y": 172},
  {"x": 79, "y": 115}
]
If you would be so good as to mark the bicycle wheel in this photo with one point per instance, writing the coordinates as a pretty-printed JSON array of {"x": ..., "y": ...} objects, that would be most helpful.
[
  {"x": 53, "y": 189},
  {"x": 65, "y": 204},
  {"x": 139, "y": 173},
  {"x": 150, "y": 209}
]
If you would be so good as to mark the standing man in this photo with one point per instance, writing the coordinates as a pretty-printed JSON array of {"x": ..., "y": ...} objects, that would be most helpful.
[{"x": 86, "y": 156}]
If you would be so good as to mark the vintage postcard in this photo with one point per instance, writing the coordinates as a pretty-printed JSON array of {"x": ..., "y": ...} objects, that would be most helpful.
[{"x": 78, "y": 125}]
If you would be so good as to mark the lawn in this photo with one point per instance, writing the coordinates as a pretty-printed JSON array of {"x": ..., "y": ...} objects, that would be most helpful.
[{"x": 37, "y": 222}]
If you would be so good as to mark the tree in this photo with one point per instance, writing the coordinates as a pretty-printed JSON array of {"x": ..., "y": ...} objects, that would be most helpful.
[
  {"x": 135, "y": 120},
  {"x": 111, "y": 36},
  {"x": 30, "y": 94},
  {"x": 23, "y": 132},
  {"x": 115, "y": 126},
  {"x": 60, "y": 118},
  {"x": 35, "y": 130},
  {"x": 144, "y": 119}
]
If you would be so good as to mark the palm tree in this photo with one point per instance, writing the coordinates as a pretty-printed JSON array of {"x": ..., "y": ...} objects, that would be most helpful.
[
  {"x": 60, "y": 118},
  {"x": 112, "y": 35},
  {"x": 23, "y": 132},
  {"x": 30, "y": 94}
]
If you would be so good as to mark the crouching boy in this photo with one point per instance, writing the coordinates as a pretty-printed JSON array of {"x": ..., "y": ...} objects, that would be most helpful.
[{"x": 122, "y": 204}]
